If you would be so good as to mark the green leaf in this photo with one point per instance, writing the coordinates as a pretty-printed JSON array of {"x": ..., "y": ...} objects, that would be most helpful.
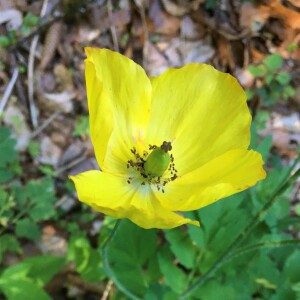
[
  {"x": 263, "y": 267},
  {"x": 288, "y": 92},
  {"x": 4, "y": 41},
  {"x": 26, "y": 228},
  {"x": 30, "y": 19},
  {"x": 41, "y": 195},
  {"x": 269, "y": 77},
  {"x": 126, "y": 257},
  {"x": 291, "y": 268},
  {"x": 7, "y": 147},
  {"x": 22, "y": 289},
  {"x": 264, "y": 147},
  {"x": 273, "y": 62},
  {"x": 182, "y": 246},
  {"x": 88, "y": 260},
  {"x": 25, "y": 279},
  {"x": 297, "y": 209},
  {"x": 5, "y": 175},
  {"x": 175, "y": 278},
  {"x": 214, "y": 290},
  {"x": 43, "y": 268},
  {"x": 250, "y": 94},
  {"x": 257, "y": 71},
  {"x": 160, "y": 292},
  {"x": 34, "y": 148},
  {"x": 283, "y": 78},
  {"x": 9, "y": 243},
  {"x": 82, "y": 126},
  {"x": 279, "y": 210}
]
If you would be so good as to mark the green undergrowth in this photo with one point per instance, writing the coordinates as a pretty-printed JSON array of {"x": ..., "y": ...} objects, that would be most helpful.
[{"x": 148, "y": 264}]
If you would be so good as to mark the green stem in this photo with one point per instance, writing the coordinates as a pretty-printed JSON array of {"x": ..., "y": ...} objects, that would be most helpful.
[
  {"x": 107, "y": 264},
  {"x": 17, "y": 216},
  {"x": 263, "y": 245},
  {"x": 241, "y": 237}
]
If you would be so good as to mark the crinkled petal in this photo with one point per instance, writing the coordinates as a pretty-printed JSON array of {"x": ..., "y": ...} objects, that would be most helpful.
[
  {"x": 113, "y": 196},
  {"x": 202, "y": 111},
  {"x": 230, "y": 173},
  {"x": 119, "y": 98}
]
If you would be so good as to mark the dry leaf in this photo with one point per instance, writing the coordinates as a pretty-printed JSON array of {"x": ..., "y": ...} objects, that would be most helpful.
[
  {"x": 174, "y": 9},
  {"x": 14, "y": 117},
  {"x": 156, "y": 62},
  {"x": 51, "y": 42},
  {"x": 60, "y": 101},
  {"x": 50, "y": 153},
  {"x": 162, "y": 22},
  {"x": 196, "y": 51},
  {"x": 12, "y": 17}
]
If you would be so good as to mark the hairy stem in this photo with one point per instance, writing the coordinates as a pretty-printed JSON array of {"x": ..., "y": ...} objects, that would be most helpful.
[
  {"x": 107, "y": 266},
  {"x": 242, "y": 236}
]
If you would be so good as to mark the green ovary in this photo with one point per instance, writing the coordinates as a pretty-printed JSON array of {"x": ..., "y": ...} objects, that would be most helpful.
[{"x": 157, "y": 163}]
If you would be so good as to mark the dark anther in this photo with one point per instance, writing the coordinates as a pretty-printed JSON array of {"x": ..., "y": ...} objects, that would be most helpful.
[
  {"x": 174, "y": 177},
  {"x": 166, "y": 146},
  {"x": 138, "y": 165}
]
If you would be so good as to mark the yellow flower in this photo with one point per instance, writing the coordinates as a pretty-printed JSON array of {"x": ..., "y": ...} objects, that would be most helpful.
[{"x": 194, "y": 124}]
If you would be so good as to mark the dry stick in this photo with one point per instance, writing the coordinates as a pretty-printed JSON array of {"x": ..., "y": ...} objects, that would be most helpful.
[
  {"x": 146, "y": 34},
  {"x": 112, "y": 27},
  {"x": 107, "y": 290},
  {"x": 9, "y": 89},
  {"x": 45, "y": 124},
  {"x": 32, "y": 107},
  {"x": 69, "y": 165},
  {"x": 241, "y": 237}
]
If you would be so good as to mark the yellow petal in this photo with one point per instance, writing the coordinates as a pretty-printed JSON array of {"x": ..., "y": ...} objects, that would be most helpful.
[
  {"x": 119, "y": 97},
  {"x": 113, "y": 196},
  {"x": 230, "y": 173},
  {"x": 202, "y": 111},
  {"x": 147, "y": 212}
]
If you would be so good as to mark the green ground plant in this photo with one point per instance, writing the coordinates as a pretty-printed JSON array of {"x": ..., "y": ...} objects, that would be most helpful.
[
  {"x": 28, "y": 22},
  {"x": 246, "y": 247},
  {"x": 272, "y": 83},
  {"x": 24, "y": 205},
  {"x": 149, "y": 264}
]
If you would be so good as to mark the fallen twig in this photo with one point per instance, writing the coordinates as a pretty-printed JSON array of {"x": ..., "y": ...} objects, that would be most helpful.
[
  {"x": 45, "y": 124},
  {"x": 34, "y": 42},
  {"x": 9, "y": 89},
  {"x": 112, "y": 27}
]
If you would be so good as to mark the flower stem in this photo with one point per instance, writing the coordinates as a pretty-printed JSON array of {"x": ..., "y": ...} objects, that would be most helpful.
[
  {"x": 241, "y": 237},
  {"x": 107, "y": 266},
  {"x": 263, "y": 245}
]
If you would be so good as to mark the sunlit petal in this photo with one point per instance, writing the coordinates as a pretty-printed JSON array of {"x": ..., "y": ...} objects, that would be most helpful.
[
  {"x": 113, "y": 196},
  {"x": 202, "y": 111},
  {"x": 230, "y": 173}
]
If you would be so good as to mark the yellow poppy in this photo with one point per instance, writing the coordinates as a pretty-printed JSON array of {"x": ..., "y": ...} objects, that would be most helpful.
[{"x": 176, "y": 142}]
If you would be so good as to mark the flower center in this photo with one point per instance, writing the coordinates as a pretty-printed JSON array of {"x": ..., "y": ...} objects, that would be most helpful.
[
  {"x": 158, "y": 161},
  {"x": 151, "y": 167}
]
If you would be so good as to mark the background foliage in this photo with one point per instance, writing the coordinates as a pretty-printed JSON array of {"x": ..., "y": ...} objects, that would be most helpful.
[{"x": 54, "y": 247}]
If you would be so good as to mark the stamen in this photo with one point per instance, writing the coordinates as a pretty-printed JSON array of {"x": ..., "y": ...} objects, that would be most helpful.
[{"x": 138, "y": 166}]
